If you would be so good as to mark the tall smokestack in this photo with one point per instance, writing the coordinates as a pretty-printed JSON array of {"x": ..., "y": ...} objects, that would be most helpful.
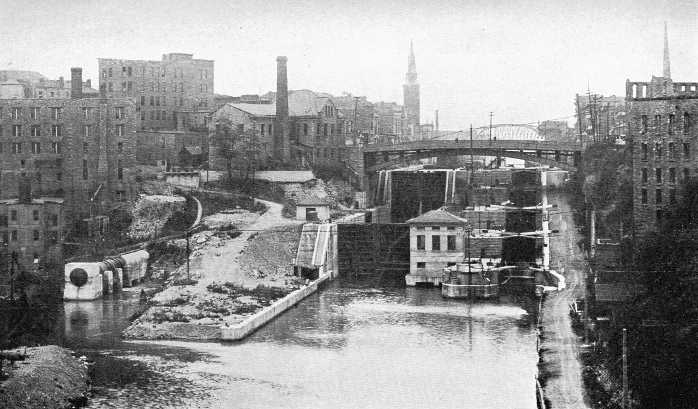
[
  {"x": 436, "y": 120},
  {"x": 281, "y": 139},
  {"x": 76, "y": 83}
]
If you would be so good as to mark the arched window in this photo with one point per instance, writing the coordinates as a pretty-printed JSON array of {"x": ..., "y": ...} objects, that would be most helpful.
[{"x": 686, "y": 122}]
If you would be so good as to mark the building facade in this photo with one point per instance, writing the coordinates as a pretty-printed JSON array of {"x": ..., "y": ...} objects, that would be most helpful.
[
  {"x": 662, "y": 128},
  {"x": 31, "y": 233},
  {"x": 174, "y": 93},
  {"x": 80, "y": 149}
]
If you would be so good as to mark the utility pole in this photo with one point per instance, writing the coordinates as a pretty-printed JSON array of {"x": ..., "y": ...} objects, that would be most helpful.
[
  {"x": 472, "y": 164},
  {"x": 491, "y": 113},
  {"x": 354, "y": 124},
  {"x": 625, "y": 368}
]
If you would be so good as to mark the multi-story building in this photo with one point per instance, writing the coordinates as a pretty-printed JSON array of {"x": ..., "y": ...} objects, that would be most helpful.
[
  {"x": 80, "y": 149},
  {"x": 31, "y": 232},
  {"x": 29, "y": 84},
  {"x": 175, "y": 93},
  {"x": 662, "y": 128},
  {"x": 600, "y": 119}
]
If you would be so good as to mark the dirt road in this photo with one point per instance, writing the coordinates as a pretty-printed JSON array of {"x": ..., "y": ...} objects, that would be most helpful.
[{"x": 564, "y": 388}]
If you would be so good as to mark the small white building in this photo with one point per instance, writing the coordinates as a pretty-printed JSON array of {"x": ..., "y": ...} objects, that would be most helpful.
[
  {"x": 313, "y": 210},
  {"x": 437, "y": 240}
]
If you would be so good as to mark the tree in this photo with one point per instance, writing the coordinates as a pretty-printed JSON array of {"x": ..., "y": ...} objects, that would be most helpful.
[{"x": 239, "y": 147}]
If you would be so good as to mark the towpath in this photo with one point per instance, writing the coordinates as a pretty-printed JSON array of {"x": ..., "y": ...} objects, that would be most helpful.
[{"x": 564, "y": 388}]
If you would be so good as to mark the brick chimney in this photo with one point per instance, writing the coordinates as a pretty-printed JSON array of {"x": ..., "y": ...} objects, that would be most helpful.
[
  {"x": 282, "y": 149},
  {"x": 75, "y": 83}
]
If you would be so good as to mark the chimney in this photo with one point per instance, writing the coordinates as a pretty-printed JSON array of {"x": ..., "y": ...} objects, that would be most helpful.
[
  {"x": 281, "y": 139},
  {"x": 436, "y": 120},
  {"x": 75, "y": 83},
  {"x": 61, "y": 82},
  {"x": 24, "y": 189}
]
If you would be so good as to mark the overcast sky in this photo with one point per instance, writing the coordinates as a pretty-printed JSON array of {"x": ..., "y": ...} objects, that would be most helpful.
[{"x": 523, "y": 60}]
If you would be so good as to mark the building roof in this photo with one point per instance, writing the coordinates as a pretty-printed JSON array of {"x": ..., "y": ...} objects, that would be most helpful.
[
  {"x": 256, "y": 109},
  {"x": 313, "y": 201},
  {"x": 437, "y": 216},
  {"x": 285, "y": 176},
  {"x": 300, "y": 103}
]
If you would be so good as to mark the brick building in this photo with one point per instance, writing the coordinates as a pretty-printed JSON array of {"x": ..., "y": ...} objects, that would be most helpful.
[
  {"x": 30, "y": 84},
  {"x": 174, "y": 93},
  {"x": 73, "y": 148},
  {"x": 600, "y": 119},
  {"x": 31, "y": 231},
  {"x": 662, "y": 130},
  {"x": 161, "y": 148}
]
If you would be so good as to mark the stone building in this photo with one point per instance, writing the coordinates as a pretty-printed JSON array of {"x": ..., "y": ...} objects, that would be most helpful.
[
  {"x": 29, "y": 84},
  {"x": 600, "y": 119},
  {"x": 161, "y": 148},
  {"x": 78, "y": 149},
  {"x": 31, "y": 233},
  {"x": 174, "y": 93},
  {"x": 411, "y": 96},
  {"x": 662, "y": 129}
]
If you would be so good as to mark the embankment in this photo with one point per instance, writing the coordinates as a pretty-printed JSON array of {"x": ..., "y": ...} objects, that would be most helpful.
[{"x": 49, "y": 377}]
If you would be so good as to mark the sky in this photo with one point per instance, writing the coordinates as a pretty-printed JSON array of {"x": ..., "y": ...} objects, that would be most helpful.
[{"x": 522, "y": 60}]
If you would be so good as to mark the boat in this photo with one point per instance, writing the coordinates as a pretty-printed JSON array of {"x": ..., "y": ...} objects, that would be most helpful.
[{"x": 473, "y": 279}]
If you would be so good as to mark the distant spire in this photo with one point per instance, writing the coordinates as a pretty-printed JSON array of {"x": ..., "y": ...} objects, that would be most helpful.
[
  {"x": 667, "y": 65},
  {"x": 411, "y": 67}
]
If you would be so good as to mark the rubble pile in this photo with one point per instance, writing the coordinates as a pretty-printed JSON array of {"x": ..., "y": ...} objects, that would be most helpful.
[
  {"x": 151, "y": 212},
  {"x": 228, "y": 219},
  {"x": 270, "y": 254}
]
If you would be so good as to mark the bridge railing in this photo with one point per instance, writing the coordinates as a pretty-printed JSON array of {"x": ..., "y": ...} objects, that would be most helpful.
[{"x": 477, "y": 144}]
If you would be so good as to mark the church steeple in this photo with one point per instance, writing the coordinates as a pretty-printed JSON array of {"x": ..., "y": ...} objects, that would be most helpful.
[
  {"x": 411, "y": 76},
  {"x": 667, "y": 65}
]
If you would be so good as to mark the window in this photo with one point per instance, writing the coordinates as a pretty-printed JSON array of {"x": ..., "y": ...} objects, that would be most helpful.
[
  {"x": 658, "y": 150},
  {"x": 84, "y": 169},
  {"x": 142, "y": 99},
  {"x": 35, "y": 215},
  {"x": 13, "y": 215},
  {"x": 672, "y": 175},
  {"x": 325, "y": 130},
  {"x": 670, "y": 124},
  {"x": 36, "y": 148},
  {"x": 437, "y": 228},
  {"x": 672, "y": 196},
  {"x": 13, "y": 235},
  {"x": 55, "y": 113},
  {"x": 643, "y": 124},
  {"x": 157, "y": 101},
  {"x": 119, "y": 170},
  {"x": 157, "y": 114},
  {"x": 120, "y": 147},
  {"x": 55, "y": 147},
  {"x": 85, "y": 147},
  {"x": 436, "y": 242},
  {"x": 17, "y": 147},
  {"x": 261, "y": 130},
  {"x": 644, "y": 196},
  {"x": 110, "y": 71},
  {"x": 659, "y": 215},
  {"x": 34, "y": 113},
  {"x": 658, "y": 175},
  {"x": 686, "y": 122},
  {"x": 59, "y": 176},
  {"x": 119, "y": 130},
  {"x": 686, "y": 150},
  {"x": 657, "y": 121},
  {"x": 104, "y": 73},
  {"x": 119, "y": 112},
  {"x": 644, "y": 151},
  {"x": 421, "y": 264},
  {"x": 56, "y": 130},
  {"x": 123, "y": 86},
  {"x": 152, "y": 100},
  {"x": 120, "y": 195},
  {"x": 142, "y": 115},
  {"x": 420, "y": 242},
  {"x": 672, "y": 150},
  {"x": 130, "y": 71},
  {"x": 451, "y": 243},
  {"x": 305, "y": 129},
  {"x": 658, "y": 196},
  {"x": 86, "y": 113},
  {"x": 86, "y": 131},
  {"x": 36, "y": 235},
  {"x": 644, "y": 175},
  {"x": 35, "y": 130},
  {"x": 16, "y": 130},
  {"x": 16, "y": 113},
  {"x": 111, "y": 87}
]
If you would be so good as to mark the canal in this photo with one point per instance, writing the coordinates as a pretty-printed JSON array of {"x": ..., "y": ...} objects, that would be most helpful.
[{"x": 351, "y": 345}]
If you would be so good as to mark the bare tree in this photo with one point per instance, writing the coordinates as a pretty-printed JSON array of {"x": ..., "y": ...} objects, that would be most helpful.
[{"x": 239, "y": 147}]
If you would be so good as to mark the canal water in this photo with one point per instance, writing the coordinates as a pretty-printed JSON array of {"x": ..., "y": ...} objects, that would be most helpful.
[{"x": 351, "y": 345}]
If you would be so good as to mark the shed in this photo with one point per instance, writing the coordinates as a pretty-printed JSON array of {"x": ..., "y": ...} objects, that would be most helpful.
[
  {"x": 313, "y": 209},
  {"x": 190, "y": 156}
]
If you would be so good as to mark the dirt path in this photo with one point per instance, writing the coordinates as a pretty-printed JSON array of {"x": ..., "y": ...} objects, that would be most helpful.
[{"x": 564, "y": 388}]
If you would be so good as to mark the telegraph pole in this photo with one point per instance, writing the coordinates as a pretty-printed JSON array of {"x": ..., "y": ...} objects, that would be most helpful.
[
  {"x": 625, "y": 368},
  {"x": 355, "y": 125},
  {"x": 491, "y": 113},
  {"x": 472, "y": 164}
]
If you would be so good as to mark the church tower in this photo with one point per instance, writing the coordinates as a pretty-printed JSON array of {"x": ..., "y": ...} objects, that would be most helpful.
[{"x": 410, "y": 93}]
